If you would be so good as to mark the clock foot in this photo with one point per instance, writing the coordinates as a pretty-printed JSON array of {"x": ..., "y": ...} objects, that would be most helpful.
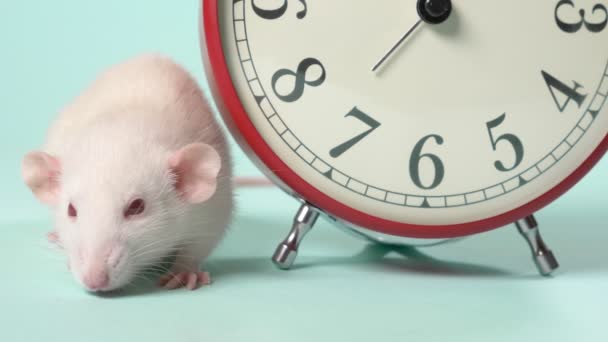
[
  {"x": 286, "y": 252},
  {"x": 543, "y": 257}
]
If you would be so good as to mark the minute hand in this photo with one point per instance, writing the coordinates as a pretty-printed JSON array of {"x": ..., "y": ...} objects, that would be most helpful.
[{"x": 392, "y": 50}]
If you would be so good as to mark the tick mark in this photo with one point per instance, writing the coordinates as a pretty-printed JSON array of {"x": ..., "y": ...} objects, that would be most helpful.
[
  {"x": 594, "y": 113},
  {"x": 522, "y": 181}
]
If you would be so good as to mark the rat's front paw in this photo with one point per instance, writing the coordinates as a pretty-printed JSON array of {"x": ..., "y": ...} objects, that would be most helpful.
[
  {"x": 53, "y": 237},
  {"x": 190, "y": 280}
]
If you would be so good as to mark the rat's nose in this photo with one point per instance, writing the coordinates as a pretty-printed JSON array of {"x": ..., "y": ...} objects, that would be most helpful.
[{"x": 96, "y": 279}]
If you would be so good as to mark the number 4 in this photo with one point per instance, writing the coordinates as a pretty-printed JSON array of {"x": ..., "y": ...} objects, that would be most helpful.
[{"x": 571, "y": 93}]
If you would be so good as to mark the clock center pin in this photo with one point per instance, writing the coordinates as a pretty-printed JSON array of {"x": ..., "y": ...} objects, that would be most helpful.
[{"x": 434, "y": 11}]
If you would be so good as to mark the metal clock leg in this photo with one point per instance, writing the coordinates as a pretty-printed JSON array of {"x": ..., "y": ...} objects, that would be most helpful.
[
  {"x": 543, "y": 257},
  {"x": 286, "y": 252}
]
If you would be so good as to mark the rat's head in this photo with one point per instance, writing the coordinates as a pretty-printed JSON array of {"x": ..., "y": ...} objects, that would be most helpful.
[{"x": 117, "y": 211}]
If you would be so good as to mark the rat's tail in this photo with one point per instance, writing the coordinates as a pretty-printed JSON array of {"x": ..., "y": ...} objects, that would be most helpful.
[{"x": 240, "y": 182}]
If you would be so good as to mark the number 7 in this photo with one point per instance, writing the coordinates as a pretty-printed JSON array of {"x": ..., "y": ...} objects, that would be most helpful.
[{"x": 366, "y": 119}]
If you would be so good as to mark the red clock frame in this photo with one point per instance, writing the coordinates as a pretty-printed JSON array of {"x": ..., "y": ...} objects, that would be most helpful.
[{"x": 252, "y": 142}]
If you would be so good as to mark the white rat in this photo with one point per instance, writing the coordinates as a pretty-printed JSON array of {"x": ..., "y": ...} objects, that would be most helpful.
[{"x": 134, "y": 169}]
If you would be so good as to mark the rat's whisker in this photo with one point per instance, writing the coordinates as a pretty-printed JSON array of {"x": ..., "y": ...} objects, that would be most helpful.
[
  {"x": 182, "y": 241},
  {"x": 140, "y": 254}
]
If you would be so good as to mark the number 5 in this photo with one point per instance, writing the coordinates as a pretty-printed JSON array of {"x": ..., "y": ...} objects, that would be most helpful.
[{"x": 518, "y": 147}]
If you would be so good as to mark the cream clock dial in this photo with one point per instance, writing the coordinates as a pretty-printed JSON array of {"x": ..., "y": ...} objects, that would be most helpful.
[{"x": 466, "y": 121}]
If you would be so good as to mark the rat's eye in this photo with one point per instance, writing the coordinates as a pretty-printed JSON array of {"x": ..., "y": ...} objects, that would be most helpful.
[
  {"x": 135, "y": 208},
  {"x": 72, "y": 211}
]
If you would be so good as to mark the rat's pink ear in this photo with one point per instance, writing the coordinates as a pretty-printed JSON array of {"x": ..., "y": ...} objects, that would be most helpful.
[
  {"x": 40, "y": 172},
  {"x": 196, "y": 167}
]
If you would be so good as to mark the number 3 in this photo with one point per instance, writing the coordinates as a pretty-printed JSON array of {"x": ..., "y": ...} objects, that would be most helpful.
[{"x": 573, "y": 28}]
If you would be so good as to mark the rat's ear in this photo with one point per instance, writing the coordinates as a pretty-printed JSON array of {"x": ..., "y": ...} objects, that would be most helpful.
[
  {"x": 196, "y": 167},
  {"x": 40, "y": 172}
]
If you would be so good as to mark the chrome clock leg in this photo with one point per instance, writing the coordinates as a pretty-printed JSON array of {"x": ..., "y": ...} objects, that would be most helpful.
[
  {"x": 543, "y": 257},
  {"x": 287, "y": 251}
]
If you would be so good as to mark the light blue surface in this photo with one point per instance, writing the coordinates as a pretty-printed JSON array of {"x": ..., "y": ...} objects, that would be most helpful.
[{"x": 484, "y": 288}]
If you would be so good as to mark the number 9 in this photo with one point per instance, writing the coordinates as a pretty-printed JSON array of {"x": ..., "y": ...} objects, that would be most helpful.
[{"x": 279, "y": 12}]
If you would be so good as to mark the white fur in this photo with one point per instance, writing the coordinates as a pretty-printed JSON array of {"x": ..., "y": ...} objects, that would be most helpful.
[{"x": 113, "y": 143}]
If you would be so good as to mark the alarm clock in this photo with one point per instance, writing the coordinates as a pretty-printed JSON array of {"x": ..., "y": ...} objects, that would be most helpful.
[{"x": 413, "y": 122}]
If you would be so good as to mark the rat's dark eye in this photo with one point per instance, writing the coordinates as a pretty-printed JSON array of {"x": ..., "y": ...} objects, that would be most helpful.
[
  {"x": 135, "y": 208},
  {"x": 72, "y": 211}
]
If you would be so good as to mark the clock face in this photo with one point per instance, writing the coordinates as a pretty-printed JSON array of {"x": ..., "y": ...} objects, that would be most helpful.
[{"x": 466, "y": 120}]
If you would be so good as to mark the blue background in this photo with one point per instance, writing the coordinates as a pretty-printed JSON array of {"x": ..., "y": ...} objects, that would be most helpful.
[{"x": 483, "y": 287}]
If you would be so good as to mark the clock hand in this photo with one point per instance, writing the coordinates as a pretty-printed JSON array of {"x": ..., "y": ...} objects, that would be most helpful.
[
  {"x": 431, "y": 12},
  {"x": 391, "y": 50}
]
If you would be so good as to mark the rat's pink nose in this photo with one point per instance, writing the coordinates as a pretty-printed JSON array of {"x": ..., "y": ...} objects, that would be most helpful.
[{"x": 96, "y": 279}]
